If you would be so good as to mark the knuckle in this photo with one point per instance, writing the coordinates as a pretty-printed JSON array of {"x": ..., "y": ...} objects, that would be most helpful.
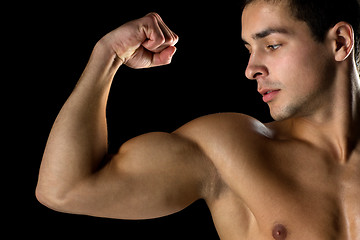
[
  {"x": 153, "y": 16},
  {"x": 172, "y": 39},
  {"x": 160, "y": 39},
  {"x": 175, "y": 39}
]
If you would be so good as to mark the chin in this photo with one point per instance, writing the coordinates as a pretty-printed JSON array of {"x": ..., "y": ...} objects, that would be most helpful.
[
  {"x": 282, "y": 113},
  {"x": 278, "y": 117}
]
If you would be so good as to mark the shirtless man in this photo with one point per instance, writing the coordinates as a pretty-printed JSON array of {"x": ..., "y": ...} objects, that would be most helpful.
[{"x": 297, "y": 178}]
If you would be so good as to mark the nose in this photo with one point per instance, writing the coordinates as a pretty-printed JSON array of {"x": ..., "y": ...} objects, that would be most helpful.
[{"x": 255, "y": 68}]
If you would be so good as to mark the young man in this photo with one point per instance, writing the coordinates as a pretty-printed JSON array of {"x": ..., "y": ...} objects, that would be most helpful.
[{"x": 295, "y": 178}]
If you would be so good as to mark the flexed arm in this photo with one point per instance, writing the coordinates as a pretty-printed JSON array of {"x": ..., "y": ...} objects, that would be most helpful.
[{"x": 157, "y": 169}]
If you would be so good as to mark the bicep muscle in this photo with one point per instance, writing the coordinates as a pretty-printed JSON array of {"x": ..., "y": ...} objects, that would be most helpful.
[{"x": 153, "y": 175}]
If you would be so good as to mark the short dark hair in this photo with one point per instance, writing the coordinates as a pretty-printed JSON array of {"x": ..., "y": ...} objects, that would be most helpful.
[{"x": 321, "y": 15}]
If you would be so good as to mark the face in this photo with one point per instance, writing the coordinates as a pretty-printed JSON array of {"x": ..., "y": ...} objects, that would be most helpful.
[{"x": 292, "y": 69}]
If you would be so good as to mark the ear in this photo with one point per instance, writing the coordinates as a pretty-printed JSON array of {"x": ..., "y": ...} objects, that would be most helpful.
[{"x": 342, "y": 36}]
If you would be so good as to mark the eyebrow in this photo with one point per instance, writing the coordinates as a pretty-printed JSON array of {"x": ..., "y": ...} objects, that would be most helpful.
[{"x": 267, "y": 32}]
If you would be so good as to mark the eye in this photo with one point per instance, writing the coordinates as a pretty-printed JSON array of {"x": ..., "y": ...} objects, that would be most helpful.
[{"x": 274, "y": 47}]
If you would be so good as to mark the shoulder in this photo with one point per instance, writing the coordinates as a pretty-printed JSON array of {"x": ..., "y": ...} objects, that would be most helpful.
[
  {"x": 224, "y": 127},
  {"x": 232, "y": 142},
  {"x": 217, "y": 127}
]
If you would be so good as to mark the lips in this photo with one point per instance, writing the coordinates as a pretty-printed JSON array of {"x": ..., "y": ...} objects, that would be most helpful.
[{"x": 269, "y": 94}]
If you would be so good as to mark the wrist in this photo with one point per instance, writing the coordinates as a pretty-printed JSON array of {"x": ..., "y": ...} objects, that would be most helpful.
[
  {"x": 101, "y": 67},
  {"x": 104, "y": 54},
  {"x": 103, "y": 62}
]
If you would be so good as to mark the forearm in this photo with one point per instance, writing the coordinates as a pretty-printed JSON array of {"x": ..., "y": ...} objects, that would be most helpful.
[{"x": 78, "y": 140}]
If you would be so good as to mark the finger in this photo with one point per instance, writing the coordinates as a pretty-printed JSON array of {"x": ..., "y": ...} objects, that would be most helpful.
[
  {"x": 153, "y": 32},
  {"x": 159, "y": 35},
  {"x": 170, "y": 37},
  {"x": 164, "y": 57}
]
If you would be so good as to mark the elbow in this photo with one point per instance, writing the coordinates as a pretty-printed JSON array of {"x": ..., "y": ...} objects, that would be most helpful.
[
  {"x": 42, "y": 197},
  {"x": 50, "y": 200}
]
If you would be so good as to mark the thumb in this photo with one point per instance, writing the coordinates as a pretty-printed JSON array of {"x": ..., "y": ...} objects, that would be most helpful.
[{"x": 164, "y": 57}]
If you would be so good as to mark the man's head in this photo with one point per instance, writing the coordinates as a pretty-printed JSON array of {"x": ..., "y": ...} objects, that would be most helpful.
[{"x": 297, "y": 47}]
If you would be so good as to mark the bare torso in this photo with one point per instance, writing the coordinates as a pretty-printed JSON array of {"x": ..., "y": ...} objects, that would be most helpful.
[
  {"x": 260, "y": 181},
  {"x": 278, "y": 188}
]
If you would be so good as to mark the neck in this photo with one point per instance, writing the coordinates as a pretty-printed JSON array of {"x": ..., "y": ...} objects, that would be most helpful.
[{"x": 336, "y": 126}]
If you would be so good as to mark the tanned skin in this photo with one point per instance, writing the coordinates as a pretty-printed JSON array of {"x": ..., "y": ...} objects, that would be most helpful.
[{"x": 297, "y": 178}]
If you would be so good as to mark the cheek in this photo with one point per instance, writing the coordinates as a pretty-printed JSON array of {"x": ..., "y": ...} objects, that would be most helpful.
[{"x": 300, "y": 71}]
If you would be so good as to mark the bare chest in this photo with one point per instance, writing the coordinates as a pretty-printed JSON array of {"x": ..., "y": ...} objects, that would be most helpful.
[{"x": 297, "y": 198}]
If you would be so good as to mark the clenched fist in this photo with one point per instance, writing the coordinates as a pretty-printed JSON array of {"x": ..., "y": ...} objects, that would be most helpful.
[{"x": 142, "y": 43}]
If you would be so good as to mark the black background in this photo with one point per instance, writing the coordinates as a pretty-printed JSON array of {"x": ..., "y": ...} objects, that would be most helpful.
[{"x": 46, "y": 48}]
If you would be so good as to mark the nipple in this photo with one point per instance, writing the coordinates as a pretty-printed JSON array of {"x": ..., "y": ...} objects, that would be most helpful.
[{"x": 279, "y": 232}]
